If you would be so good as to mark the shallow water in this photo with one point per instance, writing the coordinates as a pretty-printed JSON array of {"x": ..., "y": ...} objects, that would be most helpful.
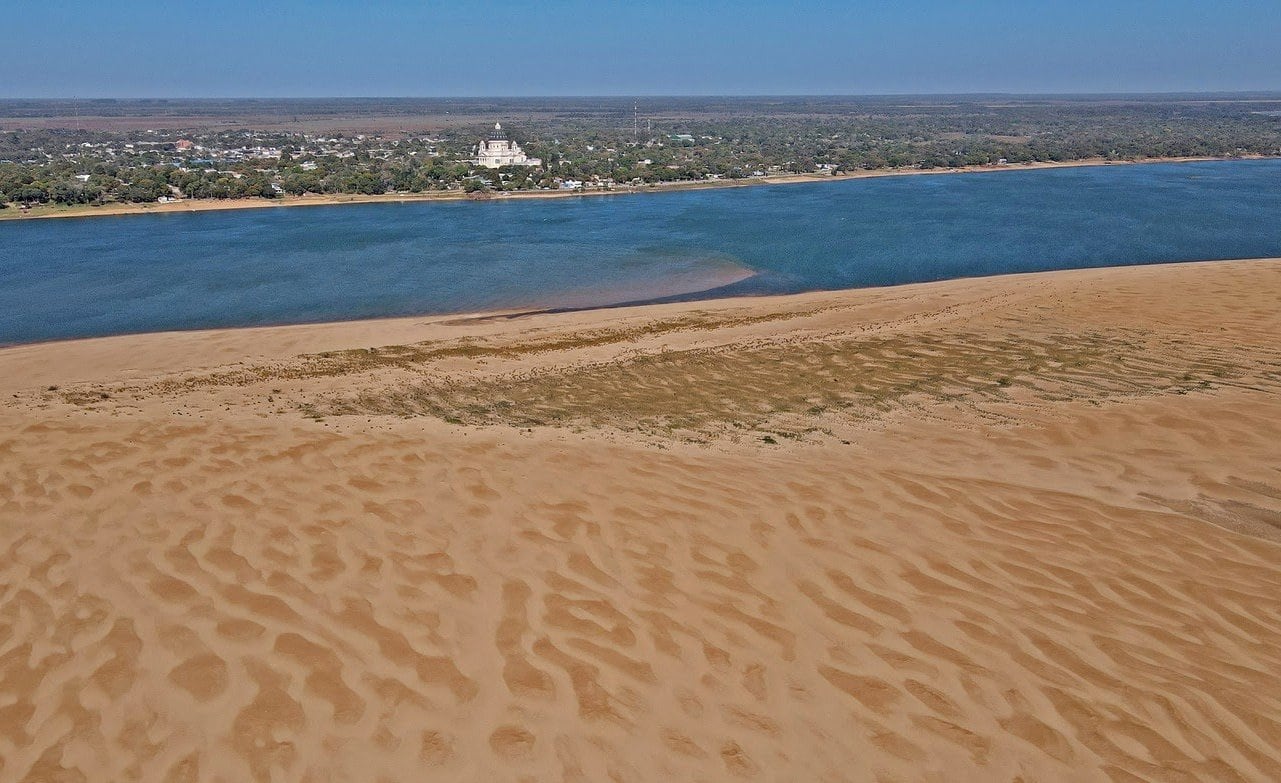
[{"x": 109, "y": 275}]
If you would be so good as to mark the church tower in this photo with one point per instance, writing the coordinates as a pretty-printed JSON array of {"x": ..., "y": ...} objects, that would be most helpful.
[{"x": 498, "y": 150}]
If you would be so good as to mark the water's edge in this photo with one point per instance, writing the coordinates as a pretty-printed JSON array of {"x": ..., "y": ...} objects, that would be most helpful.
[
  {"x": 187, "y": 271},
  {"x": 223, "y": 205}
]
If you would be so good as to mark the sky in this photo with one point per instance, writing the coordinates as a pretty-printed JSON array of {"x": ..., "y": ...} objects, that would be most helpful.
[{"x": 332, "y": 48}]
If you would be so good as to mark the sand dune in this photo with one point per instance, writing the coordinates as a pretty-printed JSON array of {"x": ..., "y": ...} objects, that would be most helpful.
[{"x": 1023, "y": 528}]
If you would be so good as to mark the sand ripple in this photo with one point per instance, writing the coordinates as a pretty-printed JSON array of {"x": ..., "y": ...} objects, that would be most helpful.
[{"x": 192, "y": 590}]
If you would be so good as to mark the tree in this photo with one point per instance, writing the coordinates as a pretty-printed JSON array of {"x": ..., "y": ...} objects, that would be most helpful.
[
  {"x": 34, "y": 193},
  {"x": 64, "y": 192}
]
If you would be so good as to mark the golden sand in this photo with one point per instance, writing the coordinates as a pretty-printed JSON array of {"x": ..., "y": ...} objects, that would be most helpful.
[{"x": 1022, "y": 528}]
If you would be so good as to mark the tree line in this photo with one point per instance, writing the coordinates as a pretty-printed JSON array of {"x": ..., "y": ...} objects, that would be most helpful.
[{"x": 64, "y": 166}]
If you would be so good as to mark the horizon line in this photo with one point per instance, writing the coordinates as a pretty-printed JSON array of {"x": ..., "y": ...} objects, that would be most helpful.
[{"x": 975, "y": 94}]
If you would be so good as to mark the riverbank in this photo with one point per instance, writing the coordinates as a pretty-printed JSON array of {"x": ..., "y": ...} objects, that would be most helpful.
[
  {"x": 1023, "y": 526},
  {"x": 205, "y": 205}
]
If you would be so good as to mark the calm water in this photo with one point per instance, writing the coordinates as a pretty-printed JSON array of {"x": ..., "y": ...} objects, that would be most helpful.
[{"x": 98, "y": 276}]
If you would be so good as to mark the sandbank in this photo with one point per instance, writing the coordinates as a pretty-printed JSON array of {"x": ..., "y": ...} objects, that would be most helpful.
[{"x": 1025, "y": 527}]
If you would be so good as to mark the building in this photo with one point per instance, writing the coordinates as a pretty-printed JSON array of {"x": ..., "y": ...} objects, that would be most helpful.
[{"x": 498, "y": 150}]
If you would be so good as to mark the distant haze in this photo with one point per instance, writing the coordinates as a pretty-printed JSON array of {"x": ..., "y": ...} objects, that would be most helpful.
[{"x": 128, "y": 48}]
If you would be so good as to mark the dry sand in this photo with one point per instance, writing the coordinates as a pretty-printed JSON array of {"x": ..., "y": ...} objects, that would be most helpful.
[{"x": 1022, "y": 528}]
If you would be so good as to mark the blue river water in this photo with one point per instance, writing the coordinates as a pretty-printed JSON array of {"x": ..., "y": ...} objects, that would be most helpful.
[{"x": 110, "y": 275}]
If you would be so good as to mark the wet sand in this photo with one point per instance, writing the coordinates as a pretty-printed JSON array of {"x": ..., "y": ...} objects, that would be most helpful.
[{"x": 1017, "y": 528}]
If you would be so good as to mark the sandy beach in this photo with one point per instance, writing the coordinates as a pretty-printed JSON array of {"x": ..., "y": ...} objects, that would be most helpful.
[
  {"x": 318, "y": 200},
  {"x": 1024, "y": 528}
]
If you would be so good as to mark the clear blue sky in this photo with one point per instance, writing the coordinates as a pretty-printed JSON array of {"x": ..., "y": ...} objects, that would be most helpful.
[{"x": 271, "y": 48}]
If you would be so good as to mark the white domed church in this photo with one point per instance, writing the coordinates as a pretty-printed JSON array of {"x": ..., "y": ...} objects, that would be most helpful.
[{"x": 498, "y": 150}]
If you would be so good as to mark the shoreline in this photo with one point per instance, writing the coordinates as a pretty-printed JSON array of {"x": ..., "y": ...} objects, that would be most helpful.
[
  {"x": 623, "y": 309},
  {"x": 212, "y": 205},
  {"x": 137, "y": 352}
]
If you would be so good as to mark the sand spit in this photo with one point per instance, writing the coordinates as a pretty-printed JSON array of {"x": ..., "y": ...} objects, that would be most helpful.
[{"x": 1022, "y": 528}]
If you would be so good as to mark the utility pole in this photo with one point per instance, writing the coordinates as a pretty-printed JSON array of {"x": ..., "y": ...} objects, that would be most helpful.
[{"x": 636, "y": 121}]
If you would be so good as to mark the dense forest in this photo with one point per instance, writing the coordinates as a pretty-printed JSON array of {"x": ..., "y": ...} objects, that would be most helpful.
[{"x": 98, "y": 152}]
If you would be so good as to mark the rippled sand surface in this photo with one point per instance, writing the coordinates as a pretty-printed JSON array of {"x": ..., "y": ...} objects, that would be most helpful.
[{"x": 1023, "y": 528}]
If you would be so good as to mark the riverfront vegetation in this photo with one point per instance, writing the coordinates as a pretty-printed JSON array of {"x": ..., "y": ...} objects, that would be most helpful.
[{"x": 99, "y": 152}]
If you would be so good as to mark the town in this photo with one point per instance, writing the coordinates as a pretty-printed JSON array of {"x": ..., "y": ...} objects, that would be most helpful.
[{"x": 57, "y": 153}]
